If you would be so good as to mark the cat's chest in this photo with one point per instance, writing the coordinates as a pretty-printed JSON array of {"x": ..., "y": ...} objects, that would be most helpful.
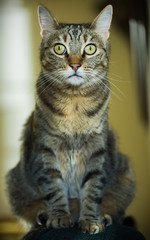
[
  {"x": 72, "y": 178},
  {"x": 73, "y": 168},
  {"x": 75, "y": 117}
]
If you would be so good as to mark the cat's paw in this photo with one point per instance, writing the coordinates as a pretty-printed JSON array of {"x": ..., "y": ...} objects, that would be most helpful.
[
  {"x": 60, "y": 222},
  {"x": 107, "y": 219},
  {"x": 91, "y": 227}
]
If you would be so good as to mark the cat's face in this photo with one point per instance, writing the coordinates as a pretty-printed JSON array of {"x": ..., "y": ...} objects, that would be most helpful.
[{"x": 75, "y": 54}]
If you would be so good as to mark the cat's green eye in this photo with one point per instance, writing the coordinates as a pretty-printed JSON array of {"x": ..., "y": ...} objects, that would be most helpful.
[
  {"x": 60, "y": 49},
  {"x": 90, "y": 49}
]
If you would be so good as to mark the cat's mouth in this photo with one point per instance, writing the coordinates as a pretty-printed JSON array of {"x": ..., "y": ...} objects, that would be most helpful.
[
  {"x": 75, "y": 79},
  {"x": 75, "y": 75}
]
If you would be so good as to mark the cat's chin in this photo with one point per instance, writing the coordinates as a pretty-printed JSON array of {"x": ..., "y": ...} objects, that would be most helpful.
[{"x": 75, "y": 80}]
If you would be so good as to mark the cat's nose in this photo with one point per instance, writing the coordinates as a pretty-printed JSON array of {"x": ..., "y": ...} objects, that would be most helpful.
[{"x": 75, "y": 66}]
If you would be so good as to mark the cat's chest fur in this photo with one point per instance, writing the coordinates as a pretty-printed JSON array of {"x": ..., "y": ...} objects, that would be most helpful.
[
  {"x": 72, "y": 176},
  {"x": 79, "y": 115},
  {"x": 73, "y": 154},
  {"x": 73, "y": 167},
  {"x": 74, "y": 119}
]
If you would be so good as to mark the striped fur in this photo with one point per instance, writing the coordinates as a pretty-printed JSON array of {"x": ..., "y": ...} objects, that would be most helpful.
[{"x": 70, "y": 168}]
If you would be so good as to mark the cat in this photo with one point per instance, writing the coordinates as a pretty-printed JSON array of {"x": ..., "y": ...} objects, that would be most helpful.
[{"x": 70, "y": 169}]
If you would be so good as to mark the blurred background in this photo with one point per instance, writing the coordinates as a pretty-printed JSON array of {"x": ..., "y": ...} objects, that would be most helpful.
[{"x": 129, "y": 76}]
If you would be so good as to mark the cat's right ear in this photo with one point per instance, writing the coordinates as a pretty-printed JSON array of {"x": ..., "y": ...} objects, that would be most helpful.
[
  {"x": 47, "y": 22},
  {"x": 102, "y": 22}
]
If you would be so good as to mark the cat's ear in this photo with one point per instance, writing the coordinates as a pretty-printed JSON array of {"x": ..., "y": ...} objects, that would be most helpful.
[
  {"x": 102, "y": 22},
  {"x": 47, "y": 22}
]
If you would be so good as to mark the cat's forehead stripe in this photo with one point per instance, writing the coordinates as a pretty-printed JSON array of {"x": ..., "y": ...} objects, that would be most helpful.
[
  {"x": 58, "y": 38},
  {"x": 65, "y": 38},
  {"x": 85, "y": 38},
  {"x": 75, "y": 32}
]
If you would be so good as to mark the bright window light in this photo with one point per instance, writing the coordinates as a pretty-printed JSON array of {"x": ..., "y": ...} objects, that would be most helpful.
[{"x": 16, "y": 74}]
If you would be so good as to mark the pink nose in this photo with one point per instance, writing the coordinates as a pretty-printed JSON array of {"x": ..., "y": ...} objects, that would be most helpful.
[{"x": 75, "y": 66}]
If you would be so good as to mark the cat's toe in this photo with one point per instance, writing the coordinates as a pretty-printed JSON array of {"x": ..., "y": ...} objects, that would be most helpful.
[
  {"x": 60, "y": 222},
  {"x": 91, "y": 227}
]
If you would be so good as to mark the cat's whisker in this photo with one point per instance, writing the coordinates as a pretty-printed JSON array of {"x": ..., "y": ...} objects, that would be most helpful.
[
  {"x": 43, "y": 81},
  {"x": 44, "y": 89},
  {"x": 113, "y": 62},
  {"x": 116, "y": 75},
  {"x": 114, "y": 79},
  {"x": 116, "y": 88},
  {"x": 117, "y": 80},
  {"x": 47, "y": 87},
  {"x": 115, "y": 94},
  {"x": 102, "y": 84},
  {"x": 119, "y": 90}
]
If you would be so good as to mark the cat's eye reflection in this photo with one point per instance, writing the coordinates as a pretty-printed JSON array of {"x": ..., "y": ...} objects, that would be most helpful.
[
  {"x": 60, "y": 49},
  {"x": 90, "y": 49}
]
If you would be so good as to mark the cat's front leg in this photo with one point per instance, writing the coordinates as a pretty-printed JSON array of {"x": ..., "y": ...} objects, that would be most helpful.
[
  {"x": 92, "y": 189},
  {"x": 51, "y": 186}
]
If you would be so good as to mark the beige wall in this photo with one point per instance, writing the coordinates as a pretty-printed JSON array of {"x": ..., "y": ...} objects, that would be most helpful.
[
  {"x": 124, "y": 113},
  {"x": 133, "y": 134}
]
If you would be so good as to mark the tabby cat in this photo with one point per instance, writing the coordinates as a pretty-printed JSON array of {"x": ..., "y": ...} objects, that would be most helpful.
[{"x": 70, "y": 168}]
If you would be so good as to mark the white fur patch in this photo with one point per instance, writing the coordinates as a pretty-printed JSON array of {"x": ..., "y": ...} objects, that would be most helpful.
[
  {"x": 72, "y": 183},
  {"x": 74, "y": 78}
]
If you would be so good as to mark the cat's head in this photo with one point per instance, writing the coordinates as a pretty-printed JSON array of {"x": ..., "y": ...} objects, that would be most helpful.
[{"x": 75, "y": 54}]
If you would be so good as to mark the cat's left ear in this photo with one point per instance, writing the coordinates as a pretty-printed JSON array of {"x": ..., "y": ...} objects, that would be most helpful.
[
  {"x": 47, "y": 22},
  {"x": 102, "y": 22}
]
